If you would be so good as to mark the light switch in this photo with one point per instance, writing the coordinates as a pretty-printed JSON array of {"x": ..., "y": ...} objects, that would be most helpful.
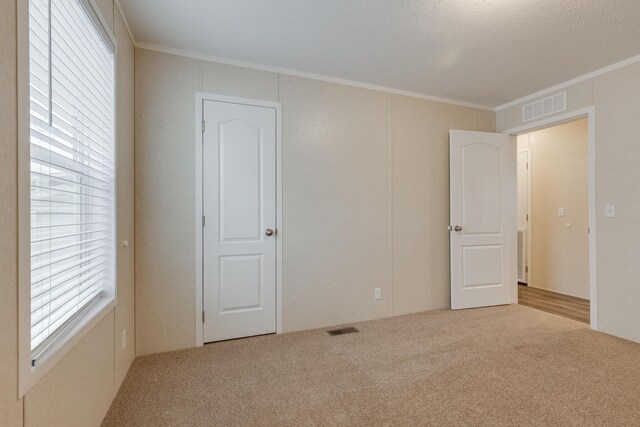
[
  {"x": 560, "y": 211},
  {"x": 610, "y": 211}
]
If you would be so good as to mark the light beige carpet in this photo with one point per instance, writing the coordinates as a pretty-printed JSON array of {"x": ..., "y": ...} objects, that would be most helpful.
[{"x": 509, "y": 365}]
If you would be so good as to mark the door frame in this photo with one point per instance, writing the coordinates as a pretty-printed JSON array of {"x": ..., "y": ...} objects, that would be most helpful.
[
  {"x": 590, "y": 114},
  {"x": 529, "y": 221},
  {"x": 200, "y": 97}
]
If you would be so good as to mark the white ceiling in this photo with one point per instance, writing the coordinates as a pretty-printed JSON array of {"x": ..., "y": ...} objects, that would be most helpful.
[{"x": 485, "y": 52}]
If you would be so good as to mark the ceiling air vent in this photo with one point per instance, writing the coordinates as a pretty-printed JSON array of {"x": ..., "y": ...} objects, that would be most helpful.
[{"x": 544, "y": 107}]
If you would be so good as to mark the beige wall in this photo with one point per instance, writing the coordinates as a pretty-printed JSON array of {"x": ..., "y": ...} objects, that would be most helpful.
[
  {"x": 79, "y": 389},
  {"x": 616, "y": 97},
  {"x": 10, "y": 407},
  {"x": 365, "y": 199},
  {"x": 124, "y": 311},
  {"x": 420, "y": 201},
  {"x": 336, "y": 213},
  {"x": 559, "y": 178}
]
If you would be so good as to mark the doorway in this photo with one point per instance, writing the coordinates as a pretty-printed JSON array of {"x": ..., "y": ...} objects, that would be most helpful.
[
  {"x": 238, "y": 216},
  {"x": 478, "y": 274},
  {"x": 553, "y": 219}
]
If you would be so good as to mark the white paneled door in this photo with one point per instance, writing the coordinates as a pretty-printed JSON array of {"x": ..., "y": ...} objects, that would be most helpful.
[
  {"x": 239, "y": 201},
  {"x": 483, "y": 219}
]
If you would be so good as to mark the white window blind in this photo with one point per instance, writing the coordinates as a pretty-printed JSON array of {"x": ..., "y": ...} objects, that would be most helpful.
[{"x": 72, "y": 151}]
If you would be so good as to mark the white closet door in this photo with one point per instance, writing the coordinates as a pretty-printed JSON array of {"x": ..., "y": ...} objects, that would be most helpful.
[{"x": 239, "y": 195}]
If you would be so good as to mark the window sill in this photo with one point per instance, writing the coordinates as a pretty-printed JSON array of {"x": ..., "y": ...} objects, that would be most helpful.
[{"x": 29, "y": 376}]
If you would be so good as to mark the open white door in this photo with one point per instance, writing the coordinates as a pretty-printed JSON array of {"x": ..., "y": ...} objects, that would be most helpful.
[{"x": 483, "y": 219}]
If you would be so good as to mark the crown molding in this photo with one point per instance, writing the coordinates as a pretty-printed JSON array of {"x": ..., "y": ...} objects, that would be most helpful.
[
  {"x": 124, "y": 18},
  {"x": 295, "y": 73},
  {"x": 591, "y": 75}
]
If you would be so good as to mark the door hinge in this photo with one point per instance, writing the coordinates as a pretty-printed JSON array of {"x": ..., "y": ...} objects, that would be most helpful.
[
  {"x": 527, "y": 165},
  {"x": 202, "y": 316},
  {"x": 204, "y": 220},
  {"x": 526, "y": 270},
  {"x": 527, "y": 217},
  {"x": 203, "y": 126}
]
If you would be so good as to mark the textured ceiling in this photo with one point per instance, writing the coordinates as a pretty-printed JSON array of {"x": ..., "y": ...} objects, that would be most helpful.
[{"x": 479, "y": 51}]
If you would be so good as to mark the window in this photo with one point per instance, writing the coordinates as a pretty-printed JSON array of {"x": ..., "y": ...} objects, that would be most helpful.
[{"x": 72, "y": 171}]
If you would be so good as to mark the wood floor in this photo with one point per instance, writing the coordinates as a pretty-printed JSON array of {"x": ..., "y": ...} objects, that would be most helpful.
[{"x": 554, "y": 303}]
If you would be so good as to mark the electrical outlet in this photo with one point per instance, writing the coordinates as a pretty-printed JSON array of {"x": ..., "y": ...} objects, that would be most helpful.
[
  {"x": 560, "y": 211},
  {"x": 378, "y": 293},
  {"x": 123, "y": 341}
]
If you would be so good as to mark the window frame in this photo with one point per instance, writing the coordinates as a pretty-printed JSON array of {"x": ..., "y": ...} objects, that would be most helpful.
[{"x": 28, "y": 376}]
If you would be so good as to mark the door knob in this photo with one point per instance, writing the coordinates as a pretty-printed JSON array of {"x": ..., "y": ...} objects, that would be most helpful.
[
  {"x": 269, "y": 232},
  {"x": 456, "y": 228}
]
